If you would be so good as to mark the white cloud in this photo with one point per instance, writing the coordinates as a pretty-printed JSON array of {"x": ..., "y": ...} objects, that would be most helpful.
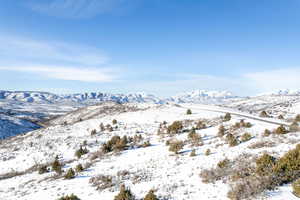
[
  {"x": 266, "y": 81},
  {"x": 24, "y": 49},
  {"x": 77, "y": 8},
  {"x": 67, "y": 73}
]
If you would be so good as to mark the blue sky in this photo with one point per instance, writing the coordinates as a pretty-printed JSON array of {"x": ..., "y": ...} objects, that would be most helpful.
[{"x": 157, "y": 46}]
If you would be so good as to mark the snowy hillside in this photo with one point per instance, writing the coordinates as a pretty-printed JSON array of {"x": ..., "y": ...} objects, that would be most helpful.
[{"x": 144, "y": 162}]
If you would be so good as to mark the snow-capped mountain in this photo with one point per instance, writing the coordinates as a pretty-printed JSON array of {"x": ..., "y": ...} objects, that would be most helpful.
[
  {"x": 202, "y": 96},
  {"x": 198, "y": 96}
]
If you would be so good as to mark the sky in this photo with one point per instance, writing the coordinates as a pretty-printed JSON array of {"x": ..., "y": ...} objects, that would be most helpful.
[{"x": 162, "y": 47}]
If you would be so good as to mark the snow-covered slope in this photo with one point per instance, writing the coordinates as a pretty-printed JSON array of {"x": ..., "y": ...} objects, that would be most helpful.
[{"x": 173, "y": 177}]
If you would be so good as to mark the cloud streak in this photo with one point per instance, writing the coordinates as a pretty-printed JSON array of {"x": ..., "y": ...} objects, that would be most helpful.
[
  {"x": 67, "y": 73},
  {"x": 77, "y": 8}
]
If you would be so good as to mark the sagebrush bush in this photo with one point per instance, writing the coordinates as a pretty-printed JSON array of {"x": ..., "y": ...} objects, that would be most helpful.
[
  {"x": 151, "y": 196},
  {"x": 207, "y": 152},
  {"x": 267, "y": 133},
  {"x": 115, "y": 144},
  {"x": 193, "y": 153},
  {"x": 56, "y": 166},
  {"x": 263, "y": 114},
  {"x": 231, "y": 139},
  {"x": 80, "y": 152},
  {"x": 297, "y": 118},
  {"x": 102, "y": 182},
  {"x": 280, "y": 117},
  {"x": 79, "y": 168},
  {"x": 176, "y": 146},
  {"x": 43, "y": 169},
  {"x": 114, "y": 121},
  {"x": 70, "y": 174},
  {"x": 294, "y": 127},
  {"x": 281, "y": 130},
  {"x": 124, "y": 194},
  {"x": 296, "y": 187},
  {"x": 227, "y": 117},
  {"x": 71, "y": 197},
  {"x": 175, "y": 127},
  {"x": 195, "y": 138},
  {"x": 221, "y": 131},
  {"x": 223, "y": 163},
  {"x": 200, "y": 125},
  {"x": 265, "y": 165},
  {"x": 246, "y": 137}
]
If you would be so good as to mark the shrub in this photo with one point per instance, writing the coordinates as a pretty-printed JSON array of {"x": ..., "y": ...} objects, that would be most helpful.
[
  {"x": 265, "y": 165},
  {"x": 263, "y": 114},
  {"x": 280, "y": 117},
  {"x": 70, "y": 174},
  {"x": 223, "y": 163},
  {"x": 175, "y": 127},
  {"x": 200, "y": 125},
  {"x": 195, "y": 138},
  {"x": 281, "y": 130},
  {"x": 297, "y": 118},
  {"x": 115, "y": 144},
  {"x": 193, "y": 153},
  {"x": 114, "y": 121},
  {"x": 227, "y": 117},
  {"x": 80, "y": 152},
  {"x": 94, "y": 132},
  {"x": 102, "y": 182},
  {"x": 102, "y": 128},
  {"x": 232, "y": 141},
  {"x": 188, "y": 112},
  {"x": 79, "y": 168},
  {"x": 294, "y": 127},
  {"x": 245, "y": 137},
  {"x": 43, "y": 169},
  {"x": 56, "y": 166},
  {"x": 176, "y": 146},
  {"x": 207, "y": 152},
  {"x": 221, "y": 131},
  {"x": 267, "y": 133},
  {"x": 150, "y": 196},
  {"x": 124, "y": 194},
  {"x": 288, "y": 166},
  {"x": 71, "y": 197},
  {"x": 296, "y": 187},
  {"x": 146, "y": 144}
]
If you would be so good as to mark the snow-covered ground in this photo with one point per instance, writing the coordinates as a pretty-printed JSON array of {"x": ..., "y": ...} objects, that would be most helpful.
[{"x": 173, "y": 176}]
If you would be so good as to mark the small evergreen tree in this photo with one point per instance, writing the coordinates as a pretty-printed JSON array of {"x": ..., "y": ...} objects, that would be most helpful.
[
  {"x": 263, "y": 114},
  {"x": 124, "y": 194},
  {"x": 70, "y": 174},
  {"x": 150, "y": 196},
  {"x": 80, "y": 152},
  {"x": 189, "y": 112},
  {"x": 79, "y": 168},
  {"x": 281, "y": 130},
  {"x": 57, "y": 166},
  {"x": 297, "y": 118},
  {"x": 114, "y": 121},
  {"x": 94, "y": 132},
  {"x": 227, "y": 117},
  {"x": 43, "y": 169},
  {"x": 102, "y": 127},
  {"x": 267, "y": 133},
  {"x": 71, "y": 197},
  {"x": 221, "y": 131},
  {"x": 193, "y": 153},
  {"x": 207, "y": 152}
]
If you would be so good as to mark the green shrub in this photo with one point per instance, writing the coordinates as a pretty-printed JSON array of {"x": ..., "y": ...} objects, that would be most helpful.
[
  {"x": 195, "y": 138},
  {"x": 227, "y": 117},
  {"x": 114, "y": 121},
  {"x": 223, "y": 163},
  {"x": 43, "y": 169},
  {"x": 280, "y": 117},
  {"x": 281, "y": 130},
  {"x": 200, "y": 125},
  {"x": 246, "y": 137},
  {"x": 267, "y": 133},
  {"x": 232, "y": 141},
  {"x": 221, "y": 131},
  {"x": 70, "y": 174},
  {"x": 193, "y": 153},
  {"x": 56, "y": 166},
  {"x": 207, "y": 152},
  {"x": 71, "y": 197},
  {"x": 294, "y": 127},
  {"x": 79, "y": 168},
  {"x": 263, "y": 114},
  {"x": 265, "y": 165},
  {"x": 296, "y": 187},
  {"x": 175, "y": 127},
  {"x": 150, "y": 196},
  {"x": 94, "y": 132},
  {"x": 124, "y": 194},
  {"x": 115, "y": 144},
  {"x": 80, "y": 152},
  {"x": 189, "y": 112},
  {"x": 176, "y": 146}
]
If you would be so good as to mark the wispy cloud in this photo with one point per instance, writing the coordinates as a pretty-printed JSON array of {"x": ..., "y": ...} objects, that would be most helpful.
[
  {"x": 67, "y": 73},
  {"x": 78, "y": 8},
  {"x": 16, "y": 48}
]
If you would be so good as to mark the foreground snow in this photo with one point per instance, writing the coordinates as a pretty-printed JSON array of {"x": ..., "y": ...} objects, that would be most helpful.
[{"x": 174, "y": 176}]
